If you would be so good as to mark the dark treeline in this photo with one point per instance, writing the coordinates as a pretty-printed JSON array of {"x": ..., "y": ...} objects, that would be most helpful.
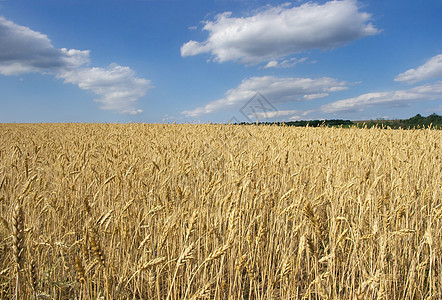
[
  {"x": 304, "y": 123},
  {"x": 417, "y": 121}
]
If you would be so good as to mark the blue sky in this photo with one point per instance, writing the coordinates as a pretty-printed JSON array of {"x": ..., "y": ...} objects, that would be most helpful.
[{"x": 216, "y": 61}]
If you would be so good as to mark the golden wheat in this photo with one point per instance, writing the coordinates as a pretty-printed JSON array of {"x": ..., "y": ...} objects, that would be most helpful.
[{"x": 156, "y": 211}]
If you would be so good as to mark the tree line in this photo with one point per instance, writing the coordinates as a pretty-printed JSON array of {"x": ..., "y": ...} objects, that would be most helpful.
[{"x": 418, "y": 121}]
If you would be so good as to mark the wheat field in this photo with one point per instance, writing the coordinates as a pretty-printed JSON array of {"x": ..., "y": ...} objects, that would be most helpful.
[{"x": 167, "y": 211}]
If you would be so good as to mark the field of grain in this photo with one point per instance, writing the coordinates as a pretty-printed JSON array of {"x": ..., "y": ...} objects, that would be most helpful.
[{"x": 138, "y": 211}]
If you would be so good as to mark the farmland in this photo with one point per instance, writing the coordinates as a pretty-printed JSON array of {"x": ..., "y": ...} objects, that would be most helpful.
[{"x": 159, "y": 211}]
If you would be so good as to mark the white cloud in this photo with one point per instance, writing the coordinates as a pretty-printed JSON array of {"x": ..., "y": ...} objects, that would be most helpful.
[
  {"x": 276, "y": 32},
  {"x": 272, "y": 64},
  {"x": 302, "y": 115},
  {"x": 293, "y": 113},
  {"x": 427, "y": 92},
  {"x": 286, "y": 63},
  {"x": 391, "y": 98},
  {"x": 23, "y": 50},
  {"x": 431, "y": 69},
  {"x": 117, "y": 85},
  {"x": 274, "y": 114},
  {"x": 276, "y": 90}
]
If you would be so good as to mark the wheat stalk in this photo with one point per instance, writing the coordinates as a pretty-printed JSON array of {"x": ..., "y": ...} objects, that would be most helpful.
[{"x": 186, "y": 255}]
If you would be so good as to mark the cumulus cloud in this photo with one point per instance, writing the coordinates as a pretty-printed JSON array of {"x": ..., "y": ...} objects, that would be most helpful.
[
  {"x": 23, "y": 50},
  {"x": 276, "y": 90},
  {"x": 118, "y": 86},
  {"x": 276, "y": 32},
  {"x": 390, "y": 98},
  {"x": 280, "y": 90},
  {"x": 431, "y": 69}
]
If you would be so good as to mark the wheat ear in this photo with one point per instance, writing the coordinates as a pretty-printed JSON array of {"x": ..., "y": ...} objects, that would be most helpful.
[
  {"x": 33, "y": 276},
  {"x": 17, "y": 243},
  {"x": 81, "y": 274},
  {"x": 96, "y": 249}
]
